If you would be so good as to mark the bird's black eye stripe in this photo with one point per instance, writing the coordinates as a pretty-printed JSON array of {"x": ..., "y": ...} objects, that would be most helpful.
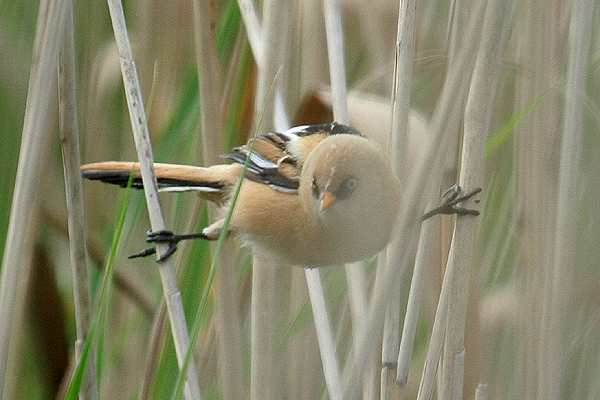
[{"x": 315, "y": 188}]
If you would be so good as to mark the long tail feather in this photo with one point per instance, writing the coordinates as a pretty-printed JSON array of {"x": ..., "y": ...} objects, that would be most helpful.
[{"x": 213, "y": 183}]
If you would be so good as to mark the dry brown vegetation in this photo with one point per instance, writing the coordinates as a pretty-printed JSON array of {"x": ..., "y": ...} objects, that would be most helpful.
[{"x": 497, "y": 94}]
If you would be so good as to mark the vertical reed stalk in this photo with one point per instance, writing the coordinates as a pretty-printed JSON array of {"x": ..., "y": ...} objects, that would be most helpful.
[
  {"x": 273, "y": 36},
  {"x": 227, "y": 320},
  {"x": 539, "y": 49},
  {"x": 401, "y": 90},
  {"x": 402, "y": 83},
  {"x": 478, "y": 113},
  {"x": 262, "y": 352},
  {"x": 36, "y": 132},
  {"x": 253, "y": 29},
  {"x": 559, "y": 301},
  {"x": 411, "y": 206},
  {"x": 227, "y": 325},
  {"x": 325, "y": 338},
  {"x": 264, "y": 270},
  {"x": 337, "y": 72},
  {"x": 337, "y": 66},
  {"x": 142, "y": 140},
  {"x": 209, "y": 84},
  {"x": 69, "y": 131},
  {"x": 417, "y": 287}
]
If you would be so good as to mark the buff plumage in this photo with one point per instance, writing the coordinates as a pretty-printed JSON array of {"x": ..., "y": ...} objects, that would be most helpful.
[{"x": 313, "y": 196}]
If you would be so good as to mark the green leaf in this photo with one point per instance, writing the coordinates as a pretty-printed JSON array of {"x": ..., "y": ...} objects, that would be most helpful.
[
  {"x": 498, "y": 140},
  {"x": 82, "y": 365}
]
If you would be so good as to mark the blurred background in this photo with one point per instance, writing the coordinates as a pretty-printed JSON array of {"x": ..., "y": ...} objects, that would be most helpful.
[{"x": 514, "y": 277}]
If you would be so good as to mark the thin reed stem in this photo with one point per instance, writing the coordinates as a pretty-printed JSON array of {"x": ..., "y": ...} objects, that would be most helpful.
[
  {"x": 478, "y": 113},
  {"x": 264, "y": 269},
  {"x": 335, "y": 51},
  {"x": 559, "y": 299},
  {"x": 398, "y": 150},
  {"x": 69, "y": 131},
  {"x": 410, "y": 209},
  {"x": 337, "y": 72},
  {"x": 35, "y": 136},
  {"x": 324, "y": 335},
  {"x": 167, "y": 271}
]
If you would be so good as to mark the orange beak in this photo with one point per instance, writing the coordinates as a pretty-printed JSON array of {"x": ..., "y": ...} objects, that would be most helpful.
[{"x": 326, "y": 199}]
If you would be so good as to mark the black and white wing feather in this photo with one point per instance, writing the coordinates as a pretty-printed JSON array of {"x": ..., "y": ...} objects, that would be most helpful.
[{"x": 277, "y": 157}]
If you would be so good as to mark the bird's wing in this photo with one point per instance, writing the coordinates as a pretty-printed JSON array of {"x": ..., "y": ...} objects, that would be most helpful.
[
  {"x": 276, "y": 160},
  {"x": 277, "y": 157}
]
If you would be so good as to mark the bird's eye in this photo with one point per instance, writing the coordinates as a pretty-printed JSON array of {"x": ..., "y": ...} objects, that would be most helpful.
[
  {"x": 351, "y": 183},
  {"x": 315, "y": 188},
  {"x": 347, "y": 187}
]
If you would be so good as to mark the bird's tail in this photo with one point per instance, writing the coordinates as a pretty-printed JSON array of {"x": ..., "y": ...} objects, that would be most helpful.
[{"x": 213, "y": 183}]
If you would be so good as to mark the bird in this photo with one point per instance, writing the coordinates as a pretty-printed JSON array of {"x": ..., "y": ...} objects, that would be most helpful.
[{"x": 312, "y": 196}]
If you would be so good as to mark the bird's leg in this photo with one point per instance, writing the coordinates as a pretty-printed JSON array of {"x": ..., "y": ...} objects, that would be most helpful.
[
  {"x": 449, "y": 206},
  {"x": 169, "y": 237}
]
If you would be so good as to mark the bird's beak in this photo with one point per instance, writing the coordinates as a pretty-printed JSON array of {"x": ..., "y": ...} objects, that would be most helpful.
[{"x": 326, "y": 199}]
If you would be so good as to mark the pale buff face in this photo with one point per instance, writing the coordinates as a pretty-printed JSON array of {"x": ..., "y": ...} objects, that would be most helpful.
[{"x": 357, "y": 174}]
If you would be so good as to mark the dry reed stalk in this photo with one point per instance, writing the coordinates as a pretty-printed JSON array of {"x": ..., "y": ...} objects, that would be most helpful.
[
  {"x": 167, "y": 271},
  {"x": 458, "y": 18},
  {"x": 481, "y": 392},
  {"x": 428, "y": 233},
  {"x": 227, "y": 319},
  {"x": 478, "y": 112},
  {"x": 401, "y": 89},
  {"x": 357, "y": 293},
  {"x": 539, "y": 52},
  {"x": 268, "y": 66},
  {"x": 458, "y": 25},
  {"x": 335, "y": 52},
  {"x": 262, "y": 352},
  {"x": 264, "y": 271},
  {"x": 417, "y": 287},
  {"x": 449, "y": 107},
  {"x": 227, "y": 325},
  {"x": 402, "y": 83},
  {"x": 389, "y": 347},
  {"x": 274, "y": 35},
  {"x": 267, "y": 46},
  {"x": 209, "y": 84},
  {"x": 558, "y": 300},
  {"x": 411, "y": 206},
  {"x": 69, "y": 131},
  {"x": 159, "y": 326},
  {"x": 253, "y": 29},
  {"x": 155, "y": 345},
  {"x": 337, "y": 72},
  {"x": 36, "y": 132},
  {"x": 325, "y": 338}
]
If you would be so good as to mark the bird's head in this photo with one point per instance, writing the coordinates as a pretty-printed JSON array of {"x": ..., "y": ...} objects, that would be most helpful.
[{"x": 348, "y": 184}]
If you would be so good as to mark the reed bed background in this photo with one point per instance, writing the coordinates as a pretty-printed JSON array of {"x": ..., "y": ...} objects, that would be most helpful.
[{"x": 497, "y": 94}]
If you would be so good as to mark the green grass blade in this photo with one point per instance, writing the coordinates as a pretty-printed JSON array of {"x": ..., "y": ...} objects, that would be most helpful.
[
  {"x": 506, "y": 132},
  {"x": 82, "y": 365},
  {"x": 179, "y": 383}
]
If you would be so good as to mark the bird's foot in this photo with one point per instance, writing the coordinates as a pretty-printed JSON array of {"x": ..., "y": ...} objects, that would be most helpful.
[
  {"x": 165, "y": 236},
  {"x": 449, "y": 206}
]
